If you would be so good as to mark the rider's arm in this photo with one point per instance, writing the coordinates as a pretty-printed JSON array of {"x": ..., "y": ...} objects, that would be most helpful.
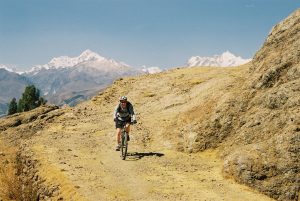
[
  {"x": 131, "y": 111},
  {"x": 133, "y": 117},
  {"x": 115, "y": 115}
]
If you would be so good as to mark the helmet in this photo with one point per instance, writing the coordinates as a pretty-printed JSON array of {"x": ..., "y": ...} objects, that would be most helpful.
[{"x": 123, "y": 98}]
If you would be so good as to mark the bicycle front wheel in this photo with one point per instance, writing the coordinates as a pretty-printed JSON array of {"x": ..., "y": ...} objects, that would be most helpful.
[{"x": 124, "y": 145}]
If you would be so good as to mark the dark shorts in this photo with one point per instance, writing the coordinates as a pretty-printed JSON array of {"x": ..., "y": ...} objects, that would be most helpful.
[{"x": 120, "y": 124}]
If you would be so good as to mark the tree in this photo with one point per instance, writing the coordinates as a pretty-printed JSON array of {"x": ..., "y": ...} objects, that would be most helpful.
[
  {"x": 13, "y": 107},
  {"x": 30, "y": 99},
  {"x": 20, "y": 106},
  {"x": 42, "y": 101}
]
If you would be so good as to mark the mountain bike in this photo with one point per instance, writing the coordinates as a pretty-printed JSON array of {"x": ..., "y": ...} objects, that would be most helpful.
[{"x": 124, "y": 141}]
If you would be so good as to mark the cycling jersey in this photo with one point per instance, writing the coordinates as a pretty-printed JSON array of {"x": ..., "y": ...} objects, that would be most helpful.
[{"x": 123, "y": 114}]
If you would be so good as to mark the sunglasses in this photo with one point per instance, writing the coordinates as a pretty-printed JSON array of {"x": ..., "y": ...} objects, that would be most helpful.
[{"x": 123, "y": 101}]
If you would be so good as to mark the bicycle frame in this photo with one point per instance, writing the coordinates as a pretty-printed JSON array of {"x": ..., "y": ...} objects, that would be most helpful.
[{"x": 124, "y": 142}]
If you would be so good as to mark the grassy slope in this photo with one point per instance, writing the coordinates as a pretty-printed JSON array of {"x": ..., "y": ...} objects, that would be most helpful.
[{"x": 73, "y": 154}]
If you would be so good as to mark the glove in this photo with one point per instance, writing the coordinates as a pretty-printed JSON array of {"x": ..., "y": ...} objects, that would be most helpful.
[
  {"x": 115, "y": 119},
  {"x": 134, "y": 122}
]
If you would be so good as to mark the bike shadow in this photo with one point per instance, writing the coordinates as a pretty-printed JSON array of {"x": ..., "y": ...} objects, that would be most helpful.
[{"x": 134, "y": 156}]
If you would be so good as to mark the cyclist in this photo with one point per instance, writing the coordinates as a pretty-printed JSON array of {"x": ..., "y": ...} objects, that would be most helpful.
[{"x": 123, "y": 113}]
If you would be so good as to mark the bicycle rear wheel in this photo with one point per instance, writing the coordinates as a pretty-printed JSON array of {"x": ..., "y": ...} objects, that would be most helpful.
[{"x": 124, "y": 145}]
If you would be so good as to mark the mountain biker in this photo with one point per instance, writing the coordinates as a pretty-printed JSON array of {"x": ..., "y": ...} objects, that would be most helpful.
[{"x": 123, "y": 113}]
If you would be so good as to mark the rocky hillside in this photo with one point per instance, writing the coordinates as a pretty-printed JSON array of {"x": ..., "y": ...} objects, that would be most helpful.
[
  {"x": 198, "y": 129},
  {"x": 257, "y": 123},
  {"x": 70, "y": 153},
  {"x": 265, "y": 138}
]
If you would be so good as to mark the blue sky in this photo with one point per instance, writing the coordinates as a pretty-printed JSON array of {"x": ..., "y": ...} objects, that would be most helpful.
[{"x": 162, "y": 33}]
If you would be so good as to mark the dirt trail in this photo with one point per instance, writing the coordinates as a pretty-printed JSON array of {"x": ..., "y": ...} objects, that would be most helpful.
[
  {"x": 80, "y": 159},
  {"x": 74, "y": 148}
]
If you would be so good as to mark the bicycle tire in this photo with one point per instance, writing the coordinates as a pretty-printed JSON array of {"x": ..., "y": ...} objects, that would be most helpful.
[{"x": 124, "y": 145}]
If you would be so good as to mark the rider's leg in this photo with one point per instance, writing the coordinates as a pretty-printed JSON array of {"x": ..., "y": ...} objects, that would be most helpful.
[
  {"x": 118, "y": 135},
  {"x": 118, "y": 130},
  {"x": 128, "y": 128}
]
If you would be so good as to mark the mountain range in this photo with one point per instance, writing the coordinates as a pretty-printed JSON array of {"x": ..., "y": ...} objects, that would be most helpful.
[
  {"x": 70, "y": 80},
  {"x": 64, "y": 80},
  {"x": 226, "y": 59},
  {"x": 87, "y": 58},
  {"x": 67, "y": 80}
]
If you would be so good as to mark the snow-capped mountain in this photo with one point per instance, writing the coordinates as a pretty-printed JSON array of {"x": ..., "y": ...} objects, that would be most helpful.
[
  {"x": 88, "y": 56},
  {"x": 151, "y": 70},
  {"x": 223, "y": 60},
  {"x": 69, "y": 80},
  {"x": 9, "y": 69}
]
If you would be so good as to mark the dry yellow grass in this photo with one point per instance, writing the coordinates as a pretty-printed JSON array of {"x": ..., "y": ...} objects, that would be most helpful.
[
  {"x": 12, "y": 185},
  {"x": 76, "y": 150}
]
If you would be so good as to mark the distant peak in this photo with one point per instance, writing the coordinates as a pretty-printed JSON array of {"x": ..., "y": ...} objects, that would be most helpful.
[
  {"x": 225, "y": 59},
  {"x": 89, "y": 54},
  {"x": 151, "y": 70},
  {"x": 10, "y": 69},
  {"x": 227, "y": 53},
  {"x": 88, "y": 51}
]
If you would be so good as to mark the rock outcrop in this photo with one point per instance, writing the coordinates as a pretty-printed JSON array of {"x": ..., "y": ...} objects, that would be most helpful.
[
  {"x": 277, "y": 62},
  {"x": 256, "y": 128},
  {"x": 264, "y": 149},
  {"x": 257, "y": 123}
]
